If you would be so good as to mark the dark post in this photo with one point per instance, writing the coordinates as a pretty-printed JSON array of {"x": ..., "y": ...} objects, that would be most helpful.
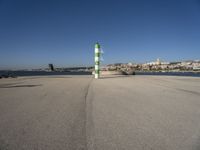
[{"x": 51, "y": 67}]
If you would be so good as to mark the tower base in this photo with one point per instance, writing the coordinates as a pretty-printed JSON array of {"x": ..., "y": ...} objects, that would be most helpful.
[{"x": 96, "y": 76}]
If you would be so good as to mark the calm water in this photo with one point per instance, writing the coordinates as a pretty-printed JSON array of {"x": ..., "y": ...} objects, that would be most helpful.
[{"x": 43, "y": 73}]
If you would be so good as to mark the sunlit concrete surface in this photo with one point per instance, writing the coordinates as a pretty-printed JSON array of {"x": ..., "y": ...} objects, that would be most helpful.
[{"x": 111, "y": 113}]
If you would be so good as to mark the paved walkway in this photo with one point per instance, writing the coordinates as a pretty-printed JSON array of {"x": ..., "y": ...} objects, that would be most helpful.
[{"x": 112, "y": 113}]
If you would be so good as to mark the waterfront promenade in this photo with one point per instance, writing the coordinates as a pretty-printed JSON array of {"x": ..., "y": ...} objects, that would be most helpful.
[{"x": 111, "y": 113}]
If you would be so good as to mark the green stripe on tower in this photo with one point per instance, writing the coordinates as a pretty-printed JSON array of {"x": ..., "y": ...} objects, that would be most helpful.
[
  {"x": 97, "y": 54},
  {"x": 97, "y": 71},
  {"x": 97, "y": 45}
]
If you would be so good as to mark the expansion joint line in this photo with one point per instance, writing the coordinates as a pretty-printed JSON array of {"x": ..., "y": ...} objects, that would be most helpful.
[
  {"x": 87, "y": 89},
  {"x": 86, "y": 113}
]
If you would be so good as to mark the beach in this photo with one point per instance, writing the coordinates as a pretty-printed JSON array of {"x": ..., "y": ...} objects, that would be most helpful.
[{"x": 78, "y": 112}]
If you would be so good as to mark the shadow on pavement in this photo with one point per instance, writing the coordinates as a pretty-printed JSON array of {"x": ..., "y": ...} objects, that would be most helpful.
[
  {"x": 115, "y": 76},
  {"x": 14, "y": 86}
]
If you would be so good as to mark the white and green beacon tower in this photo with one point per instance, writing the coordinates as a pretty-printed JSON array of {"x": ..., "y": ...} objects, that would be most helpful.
[{"x": 97, "y": 52}]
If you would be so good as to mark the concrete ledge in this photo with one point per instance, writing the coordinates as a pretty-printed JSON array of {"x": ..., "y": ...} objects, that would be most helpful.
[{"x": 116, "y": 73}]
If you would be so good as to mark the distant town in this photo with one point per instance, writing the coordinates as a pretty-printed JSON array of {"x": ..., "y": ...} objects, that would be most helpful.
[{"x": 158, "y": 65}]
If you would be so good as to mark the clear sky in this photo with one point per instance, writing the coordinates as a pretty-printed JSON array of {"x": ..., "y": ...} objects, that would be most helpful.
[{"x": 34, "y": 33}]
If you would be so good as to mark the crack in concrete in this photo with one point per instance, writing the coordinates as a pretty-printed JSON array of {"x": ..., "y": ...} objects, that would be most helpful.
[
  {"x": 89, "y": 124},
  {"x": 87, "y": 112}
]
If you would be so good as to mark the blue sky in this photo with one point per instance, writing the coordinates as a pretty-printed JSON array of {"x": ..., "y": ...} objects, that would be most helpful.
[{"x": 34, "y": 33}]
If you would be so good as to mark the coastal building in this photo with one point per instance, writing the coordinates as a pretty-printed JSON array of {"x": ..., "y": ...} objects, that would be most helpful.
[{"x": 158, "y": 62}]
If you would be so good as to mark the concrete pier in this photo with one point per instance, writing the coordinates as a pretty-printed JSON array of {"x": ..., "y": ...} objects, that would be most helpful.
[{"x": 112, "y": 113}]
